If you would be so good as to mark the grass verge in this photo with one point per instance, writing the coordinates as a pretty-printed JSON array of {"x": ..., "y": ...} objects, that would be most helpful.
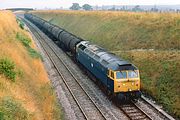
[{"x": 30, "y": 96}]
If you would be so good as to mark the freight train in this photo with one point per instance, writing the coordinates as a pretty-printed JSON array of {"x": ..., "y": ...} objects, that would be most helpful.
[{"x": 120, "y": 78}]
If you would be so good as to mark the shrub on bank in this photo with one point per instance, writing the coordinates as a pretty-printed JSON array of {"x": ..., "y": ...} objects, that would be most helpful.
[
  {"x": 7, "y": 68},
  {"x": 12, "y": 110},
  {"x": 27, "y": 43},
  {"x": 20, "y": 23}
]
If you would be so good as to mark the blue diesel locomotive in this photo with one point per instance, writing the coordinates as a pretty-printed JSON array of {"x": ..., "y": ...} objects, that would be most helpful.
[{"x": 120, "y": 78}]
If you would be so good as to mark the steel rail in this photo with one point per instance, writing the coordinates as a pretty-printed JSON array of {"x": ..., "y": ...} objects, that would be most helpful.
[{"x": 160, "y": 111}]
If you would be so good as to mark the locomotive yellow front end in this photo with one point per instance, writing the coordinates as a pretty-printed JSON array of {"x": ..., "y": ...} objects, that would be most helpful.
[{"x": 126, "y": 83}]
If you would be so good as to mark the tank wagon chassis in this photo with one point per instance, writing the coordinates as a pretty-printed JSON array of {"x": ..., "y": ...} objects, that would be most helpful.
[{"x": 119, "y": 77}]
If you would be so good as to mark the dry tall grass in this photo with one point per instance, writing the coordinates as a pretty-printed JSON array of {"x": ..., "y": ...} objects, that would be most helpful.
[
  {"x": 32, "y": 89},
  {"x": 121, "y": 30}
]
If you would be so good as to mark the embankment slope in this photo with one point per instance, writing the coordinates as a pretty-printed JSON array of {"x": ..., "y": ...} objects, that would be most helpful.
[{"x": 29, "y": 95}]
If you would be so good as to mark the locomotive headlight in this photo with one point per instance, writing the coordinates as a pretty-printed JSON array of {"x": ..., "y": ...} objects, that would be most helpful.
[
  {"x": 124, "y": 84},
  {"x": 137, "y": 83}
]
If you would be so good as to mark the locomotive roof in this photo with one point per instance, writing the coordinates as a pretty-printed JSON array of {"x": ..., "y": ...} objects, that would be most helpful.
[{"x": 108, "y": 59}]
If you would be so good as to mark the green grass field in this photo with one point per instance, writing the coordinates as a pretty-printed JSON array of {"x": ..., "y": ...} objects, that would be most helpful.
[{"x": 124, "y": 33}]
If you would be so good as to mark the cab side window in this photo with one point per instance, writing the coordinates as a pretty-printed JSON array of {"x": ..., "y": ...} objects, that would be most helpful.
[
  {"x": 82, "y": 47},
  {"x": 112, "y": 74}
]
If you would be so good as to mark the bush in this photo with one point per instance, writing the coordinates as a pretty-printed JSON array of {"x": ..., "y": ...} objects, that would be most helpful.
[
  {"x": 7, "y": 67},
  {"x": 33, "y": 53},
  {"x": 1, "y": 116},
  {"x": 12, "y": 110},
  {"x": 21, "y": 24},
  {"x": 26, "y": 42}
]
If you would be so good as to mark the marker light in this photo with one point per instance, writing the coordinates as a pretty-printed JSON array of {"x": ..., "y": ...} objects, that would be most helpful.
[{"x": 136, "y": 83}]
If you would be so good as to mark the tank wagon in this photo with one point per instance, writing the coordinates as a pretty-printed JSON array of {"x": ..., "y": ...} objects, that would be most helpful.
[{"x": 119, "y": 77}]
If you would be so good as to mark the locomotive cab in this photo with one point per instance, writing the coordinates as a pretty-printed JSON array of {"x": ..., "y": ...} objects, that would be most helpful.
[{"x": 126, "y": 83}]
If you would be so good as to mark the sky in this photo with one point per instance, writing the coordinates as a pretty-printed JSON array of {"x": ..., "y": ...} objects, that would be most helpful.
[{"x": 40, "y": 4}]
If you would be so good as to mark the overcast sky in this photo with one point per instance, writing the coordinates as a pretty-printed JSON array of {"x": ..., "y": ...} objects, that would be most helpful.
[{"x": 67, "y": 3}]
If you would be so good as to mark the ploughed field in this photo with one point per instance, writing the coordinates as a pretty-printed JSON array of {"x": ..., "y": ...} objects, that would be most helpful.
[{"x": 149, "y": 40}]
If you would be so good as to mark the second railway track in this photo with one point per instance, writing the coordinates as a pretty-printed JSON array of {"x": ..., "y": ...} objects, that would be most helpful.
[
  {"x": 85, "y": 103},
  {"x": 133, "y": 112}
]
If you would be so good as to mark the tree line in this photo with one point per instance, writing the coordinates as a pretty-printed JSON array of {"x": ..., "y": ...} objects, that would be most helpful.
[
  {"x": 137, "y": 8},
  {"x": 76, "y": 6}
]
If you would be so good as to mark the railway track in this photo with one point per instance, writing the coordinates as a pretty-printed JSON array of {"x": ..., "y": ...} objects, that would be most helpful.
[
  {"x": 85, "y": 103},
  {"x": 133, "y": 112},
  {"x": 159, "y": 111}
]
